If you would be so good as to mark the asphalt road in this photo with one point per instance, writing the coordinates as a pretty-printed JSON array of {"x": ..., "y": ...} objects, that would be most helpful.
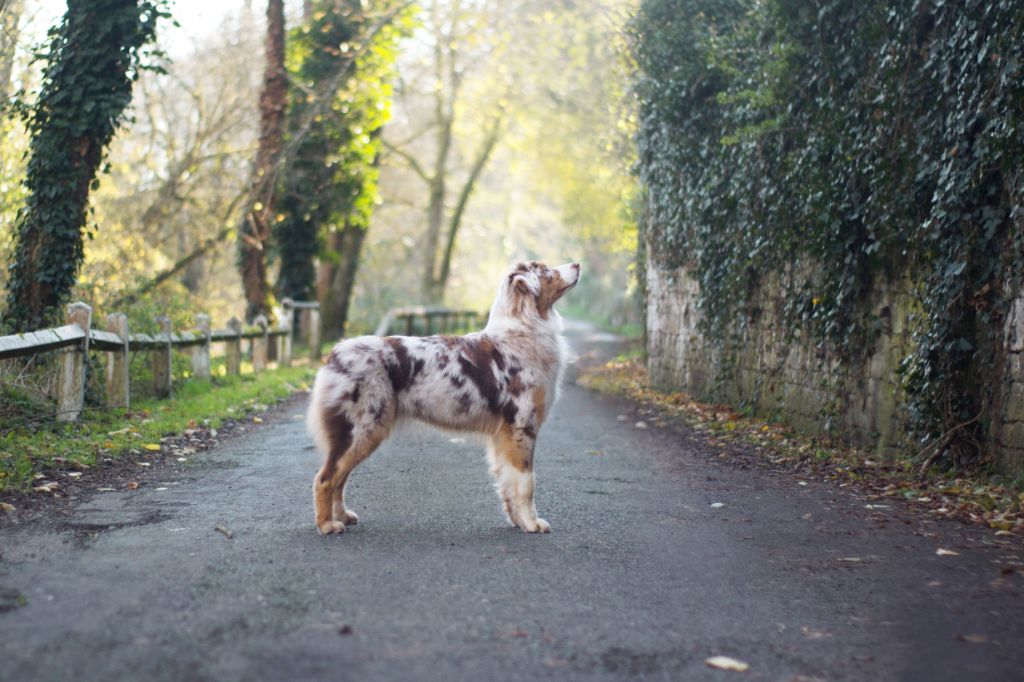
[{"x": 642, "y": 577}]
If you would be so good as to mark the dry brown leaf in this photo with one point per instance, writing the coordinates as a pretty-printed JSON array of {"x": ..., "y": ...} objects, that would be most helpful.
[
  {"x": 9, "y": 508},
  {"x": 132, "y": 485}
]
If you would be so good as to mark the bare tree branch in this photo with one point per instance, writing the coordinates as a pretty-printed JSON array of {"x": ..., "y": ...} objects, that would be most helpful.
[{"x": 409, "y": 159}]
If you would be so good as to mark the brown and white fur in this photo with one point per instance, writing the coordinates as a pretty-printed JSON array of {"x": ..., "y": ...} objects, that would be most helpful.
[{"x": 500, "y": 382}]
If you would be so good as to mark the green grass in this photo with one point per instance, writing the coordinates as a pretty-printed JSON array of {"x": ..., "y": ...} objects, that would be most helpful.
[{"x": 31, "y": 446}]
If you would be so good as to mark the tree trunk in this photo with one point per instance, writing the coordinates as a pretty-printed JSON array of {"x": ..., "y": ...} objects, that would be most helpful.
[
  {"x": 460, "y": 207},
  {"x": 9, "y": 20},
  {"x": 337, "y": 280},
  {"x": 256, "y": 224},
  {"x": 444, "y": 114}
]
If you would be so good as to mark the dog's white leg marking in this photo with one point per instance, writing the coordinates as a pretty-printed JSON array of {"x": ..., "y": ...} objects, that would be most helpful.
[{"x": 511, "y": 458}]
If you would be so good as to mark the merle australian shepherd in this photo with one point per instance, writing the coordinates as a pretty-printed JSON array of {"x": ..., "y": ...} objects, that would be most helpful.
[{"x": 500, "y": 382}]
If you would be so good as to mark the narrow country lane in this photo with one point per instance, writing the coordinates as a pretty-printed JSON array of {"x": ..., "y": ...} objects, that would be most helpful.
[{"x": 661, "y": 556}]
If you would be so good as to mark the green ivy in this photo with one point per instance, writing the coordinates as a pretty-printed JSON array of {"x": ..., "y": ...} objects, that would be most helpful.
[
  {"x": 835, "y": 147},
  {"x": 331, "y": 181},
  {"x": 94, "y": 55}
]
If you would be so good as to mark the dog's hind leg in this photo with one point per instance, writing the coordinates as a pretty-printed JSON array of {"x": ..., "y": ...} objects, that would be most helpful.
[
  {"x": 510, "y": 454},
  {"x": 344, "y": 454}
]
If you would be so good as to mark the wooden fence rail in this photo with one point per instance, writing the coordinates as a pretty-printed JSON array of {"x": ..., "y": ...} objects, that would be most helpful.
[
  {"x": 78, "y": 337},
  {"x": 426, "y": 320}
]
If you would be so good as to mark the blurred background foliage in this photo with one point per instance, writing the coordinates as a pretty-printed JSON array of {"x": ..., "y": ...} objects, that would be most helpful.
[{"x": 547, "y": 80}]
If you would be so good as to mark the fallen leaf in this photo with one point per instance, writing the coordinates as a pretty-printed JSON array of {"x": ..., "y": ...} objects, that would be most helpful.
[
  {"x": 726, "y": 663},
  {"x": 119, "y": 431},
  {"x": 132, "y": 485},
  {"x": 152, "y": 447},
  {"x": 46, "y": 487},
  {"x": 9, "y": 508},
  {"x": 946, "y": 552},
  {"x": 143, "y": 464},
  {"x": 973, "y": 639},
  {"x": 225, "y": 532},
  {"x": 257, "y": 420}
]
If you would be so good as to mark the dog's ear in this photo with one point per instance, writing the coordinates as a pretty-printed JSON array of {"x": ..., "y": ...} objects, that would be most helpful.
[{"x": 521, "y": 285}]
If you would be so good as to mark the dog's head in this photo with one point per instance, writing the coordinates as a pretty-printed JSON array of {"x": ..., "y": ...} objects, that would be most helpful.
[{"x": 529, "y": 290}]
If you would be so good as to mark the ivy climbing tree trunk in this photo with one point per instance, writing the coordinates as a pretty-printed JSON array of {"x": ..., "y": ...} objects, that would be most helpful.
[
  {"x": 327, "y": 194},
  {"x": 94, "y": 56},
  {"x": 258, "y": 220}
]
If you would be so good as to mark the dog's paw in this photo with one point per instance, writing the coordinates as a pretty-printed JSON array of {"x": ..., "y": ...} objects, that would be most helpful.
[
  {"x": 350, "y": 518},
  {"x": 538, "y": 525},
  {"x": 328, "y": 527}
]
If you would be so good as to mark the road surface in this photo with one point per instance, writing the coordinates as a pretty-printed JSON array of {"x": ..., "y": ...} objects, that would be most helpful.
[{"x": 661, "y": 556}]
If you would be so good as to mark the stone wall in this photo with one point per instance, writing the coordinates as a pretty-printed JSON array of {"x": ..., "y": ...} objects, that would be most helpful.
[{"x": 788, "y": 378}]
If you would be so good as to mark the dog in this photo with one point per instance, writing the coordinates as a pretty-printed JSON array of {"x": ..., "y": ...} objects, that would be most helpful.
[{"x": 500, "y": 382}]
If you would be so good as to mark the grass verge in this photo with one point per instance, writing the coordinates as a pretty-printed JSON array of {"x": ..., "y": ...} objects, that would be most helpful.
[
  {"x": 29, "y": 446},
  {"x": 979, "y": 497}
]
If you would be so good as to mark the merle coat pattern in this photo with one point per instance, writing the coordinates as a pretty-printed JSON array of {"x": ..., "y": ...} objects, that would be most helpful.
[{"x": 500, "y": 382}]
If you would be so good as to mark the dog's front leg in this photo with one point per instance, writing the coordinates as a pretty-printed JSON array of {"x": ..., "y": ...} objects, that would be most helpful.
[{"x": 511, "y": 457}]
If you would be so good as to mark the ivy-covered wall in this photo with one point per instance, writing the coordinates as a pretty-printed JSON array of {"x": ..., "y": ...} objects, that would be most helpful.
[
  {"x": 788, "y": 376},
  {"x": 841, "y": 182}
]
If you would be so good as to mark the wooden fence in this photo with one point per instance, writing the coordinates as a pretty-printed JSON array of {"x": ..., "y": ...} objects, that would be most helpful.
[
  {"x": 78, "y": 337},
  {"x": 426, "y": 320}
]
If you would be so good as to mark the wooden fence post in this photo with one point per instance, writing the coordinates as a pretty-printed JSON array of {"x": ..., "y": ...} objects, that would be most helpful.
[
  {"x": 71, "y": 396},
  {"x": 160, "y": 359},
  {"x": 314, "y": 333},
  {"x": 118, "y": 392},
  {"x": 201, "y": 353},
  {"x": 287, "y": 323},
  {"x": 259, "y": 346},
  {"x": 233, "y": 347}
]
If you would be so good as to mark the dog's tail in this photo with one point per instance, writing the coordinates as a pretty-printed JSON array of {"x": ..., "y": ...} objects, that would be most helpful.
[{"x": 315, "y": 425}]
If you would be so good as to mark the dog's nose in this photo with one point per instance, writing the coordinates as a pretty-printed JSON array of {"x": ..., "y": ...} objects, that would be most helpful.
[{"x": 575, "y": 265}]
